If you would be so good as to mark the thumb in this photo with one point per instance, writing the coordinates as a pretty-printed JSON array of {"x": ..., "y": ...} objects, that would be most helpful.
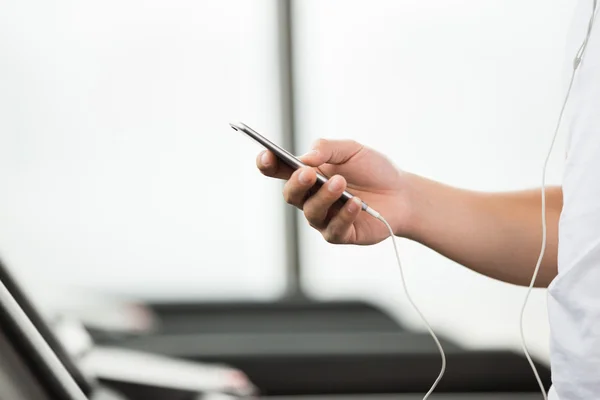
[{"x": 331, "y": 152}]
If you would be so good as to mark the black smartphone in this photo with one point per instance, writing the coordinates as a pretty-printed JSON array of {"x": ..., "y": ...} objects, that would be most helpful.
[{"x": 285, "y": 156}]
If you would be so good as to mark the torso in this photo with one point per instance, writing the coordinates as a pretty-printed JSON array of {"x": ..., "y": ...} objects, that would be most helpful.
[{"x": 574, "y": 296}]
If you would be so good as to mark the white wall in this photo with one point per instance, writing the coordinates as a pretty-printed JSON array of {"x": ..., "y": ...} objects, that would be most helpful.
[
  {"x": 113, "y": 120},
  {"x": 118, "y": 169},
  {"x": 462, "y": 91}
]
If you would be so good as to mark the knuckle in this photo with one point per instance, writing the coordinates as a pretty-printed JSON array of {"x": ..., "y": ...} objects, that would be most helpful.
[
  {"x": 311, "y": 214},
  {"x": 331, "y": 236},
  {"x": 314, "y": 226}
]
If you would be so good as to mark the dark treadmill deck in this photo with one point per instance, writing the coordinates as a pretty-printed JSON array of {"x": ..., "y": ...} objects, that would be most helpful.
[
  {"x": 311, "y": 348},
  {"x": 282, "y": 316}
]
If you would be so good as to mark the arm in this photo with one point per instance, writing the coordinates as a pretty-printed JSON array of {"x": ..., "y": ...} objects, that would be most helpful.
[{"x": 495, "y": 234}]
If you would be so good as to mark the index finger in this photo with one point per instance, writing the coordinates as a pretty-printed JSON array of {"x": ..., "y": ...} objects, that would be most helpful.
[{"x": 271, "y": 166}]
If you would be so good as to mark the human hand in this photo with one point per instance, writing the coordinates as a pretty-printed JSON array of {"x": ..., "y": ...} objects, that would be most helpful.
[{"x": 364, "y": 172}]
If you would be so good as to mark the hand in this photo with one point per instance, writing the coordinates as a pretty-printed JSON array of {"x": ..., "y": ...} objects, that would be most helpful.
[{"x": 365, "y": 173}]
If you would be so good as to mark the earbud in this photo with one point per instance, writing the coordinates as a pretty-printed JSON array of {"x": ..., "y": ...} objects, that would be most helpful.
[{"x": 581, "y": 51}]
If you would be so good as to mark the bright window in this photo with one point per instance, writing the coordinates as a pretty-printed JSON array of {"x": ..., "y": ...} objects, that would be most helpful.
[{"x": 119, "y": 171}]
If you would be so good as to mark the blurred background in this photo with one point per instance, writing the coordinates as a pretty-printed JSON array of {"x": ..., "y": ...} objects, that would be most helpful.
[{"x": 121, "y": 179}]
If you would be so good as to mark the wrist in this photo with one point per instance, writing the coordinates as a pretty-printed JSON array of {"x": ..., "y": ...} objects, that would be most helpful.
[{"x": 406, "y": 204}]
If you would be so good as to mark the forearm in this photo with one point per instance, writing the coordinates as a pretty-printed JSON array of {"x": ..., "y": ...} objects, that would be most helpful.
[{"x": 495, "y": 234}]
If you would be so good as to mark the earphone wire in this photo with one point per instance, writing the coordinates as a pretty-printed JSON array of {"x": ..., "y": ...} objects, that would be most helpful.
[
  {"x": 414, "y": 306},
  {"x": 576, "y": 64}
]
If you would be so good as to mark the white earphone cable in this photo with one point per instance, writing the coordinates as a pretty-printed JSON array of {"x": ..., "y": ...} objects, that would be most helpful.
[
  {"x": 375, "y": 214},
  {"x": 576, "y": 64},
  {"x": 412, "y": 303},
  {"x": 542, "y": 251}
]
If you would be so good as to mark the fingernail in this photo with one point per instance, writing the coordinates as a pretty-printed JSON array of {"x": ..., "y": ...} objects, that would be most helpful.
[
  {"x": 335, "y": 185},
  {"x": 264, "y": 159},
  {"x": 355, "y": 205},
  {"x": 311, "y": 153},
  {"x": 303, "y": 177}
]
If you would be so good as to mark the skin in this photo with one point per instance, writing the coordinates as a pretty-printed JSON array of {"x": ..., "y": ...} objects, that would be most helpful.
[{"x": 500, "y": 232}]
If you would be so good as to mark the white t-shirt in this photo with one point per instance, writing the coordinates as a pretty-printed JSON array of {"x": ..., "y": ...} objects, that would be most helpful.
[{"x": 574, "y": 296}]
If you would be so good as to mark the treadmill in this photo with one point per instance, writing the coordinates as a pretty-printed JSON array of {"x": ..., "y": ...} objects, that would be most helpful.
[
  {"x": 297, "y": 346},
  {"x": 33, "y": 351},
  {"x": 30, "y": 370},
  {"x": 29, "y": 367}
]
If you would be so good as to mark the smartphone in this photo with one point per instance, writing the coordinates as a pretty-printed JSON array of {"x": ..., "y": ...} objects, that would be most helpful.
[{"x": 285, "y": 156}]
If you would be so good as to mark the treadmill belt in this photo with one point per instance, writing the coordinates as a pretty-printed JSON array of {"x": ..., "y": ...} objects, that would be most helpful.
[
  {"x": 288, "y": 316},
  {"x": 310, "y": 348}
]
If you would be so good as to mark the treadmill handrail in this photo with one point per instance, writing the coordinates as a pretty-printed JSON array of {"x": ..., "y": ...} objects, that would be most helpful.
[{"x": 33, "y": 336}]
